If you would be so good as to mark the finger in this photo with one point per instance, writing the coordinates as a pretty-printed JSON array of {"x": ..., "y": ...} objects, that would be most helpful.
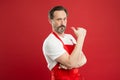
[
  {"x": 79, "y": 27},
  {"x": 73, "y": 28}
]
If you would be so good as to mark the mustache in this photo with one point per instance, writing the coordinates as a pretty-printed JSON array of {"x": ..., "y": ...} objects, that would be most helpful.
[{"x": 61, "y": 26}]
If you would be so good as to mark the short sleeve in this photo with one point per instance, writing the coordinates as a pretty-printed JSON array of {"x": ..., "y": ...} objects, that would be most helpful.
[{"x": 54, "y": 49}]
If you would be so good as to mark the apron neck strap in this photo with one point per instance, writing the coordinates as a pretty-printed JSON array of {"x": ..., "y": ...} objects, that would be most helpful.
[{"x": 57, "y": 37}]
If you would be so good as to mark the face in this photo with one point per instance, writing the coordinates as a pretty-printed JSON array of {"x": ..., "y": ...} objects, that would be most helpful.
[{"x": 59, "y": 21}]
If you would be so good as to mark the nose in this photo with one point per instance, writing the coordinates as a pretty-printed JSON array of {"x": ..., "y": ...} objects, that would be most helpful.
[{"x": 62, "y": 22}]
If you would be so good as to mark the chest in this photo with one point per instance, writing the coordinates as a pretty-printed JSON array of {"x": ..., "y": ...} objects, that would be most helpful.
[{"x": 67, "y": 41}]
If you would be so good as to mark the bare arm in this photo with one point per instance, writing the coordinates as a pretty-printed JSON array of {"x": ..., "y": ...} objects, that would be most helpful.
[{"x": 71, "y": 61}]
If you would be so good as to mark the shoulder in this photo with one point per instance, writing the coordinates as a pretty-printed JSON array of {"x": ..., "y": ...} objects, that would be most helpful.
[{"x": 51, "y": 40}]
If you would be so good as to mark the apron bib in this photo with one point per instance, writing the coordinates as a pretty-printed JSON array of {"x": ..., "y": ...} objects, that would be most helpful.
[{"x": 62, "y": 74}]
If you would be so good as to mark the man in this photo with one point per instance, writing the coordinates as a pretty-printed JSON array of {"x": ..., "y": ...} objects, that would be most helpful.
[{"x": 63, "y": 53}]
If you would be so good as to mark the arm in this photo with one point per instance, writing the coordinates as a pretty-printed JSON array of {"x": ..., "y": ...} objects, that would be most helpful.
[
  {"x": 81, "y": 61},
  {"x": 71, "y": 61}
]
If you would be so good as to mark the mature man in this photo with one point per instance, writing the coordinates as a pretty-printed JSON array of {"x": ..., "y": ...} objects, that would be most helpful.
[{"x": 62, "y": 52}]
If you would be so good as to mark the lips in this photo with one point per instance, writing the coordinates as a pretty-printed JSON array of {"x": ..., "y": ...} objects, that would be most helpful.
[{"x": 60, "y": 29}]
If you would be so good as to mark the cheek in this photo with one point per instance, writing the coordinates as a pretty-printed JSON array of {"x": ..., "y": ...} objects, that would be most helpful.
[
  {"x": 57, "y": 23},
  {"x": 66, "y": 21},
  {"x": 54, "y": 23}
]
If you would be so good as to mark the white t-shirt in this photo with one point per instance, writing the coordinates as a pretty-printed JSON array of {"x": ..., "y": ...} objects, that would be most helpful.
[{"x": 53, "y": 48}]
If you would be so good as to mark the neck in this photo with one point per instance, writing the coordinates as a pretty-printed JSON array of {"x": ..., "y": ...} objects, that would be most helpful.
[{"x": 61, "y": 35}]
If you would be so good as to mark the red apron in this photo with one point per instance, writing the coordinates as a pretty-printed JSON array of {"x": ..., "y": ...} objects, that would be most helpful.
[{"x": 62, "y": 74}]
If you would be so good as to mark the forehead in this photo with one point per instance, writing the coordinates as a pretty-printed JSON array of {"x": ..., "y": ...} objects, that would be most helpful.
[{"x": 60, "y": 14}]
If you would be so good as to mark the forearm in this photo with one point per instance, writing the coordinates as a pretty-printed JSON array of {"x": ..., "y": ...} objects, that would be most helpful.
[
  {"x": 77, "y": 52},
  {"x": 71, "y": 61},
  {"x": 81, "y": 61}
]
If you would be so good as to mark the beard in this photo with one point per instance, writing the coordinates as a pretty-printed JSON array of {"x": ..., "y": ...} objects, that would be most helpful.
[{"x": 60, "y": 29}]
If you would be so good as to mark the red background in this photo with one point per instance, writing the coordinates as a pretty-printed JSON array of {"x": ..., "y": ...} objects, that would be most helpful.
[{"x": 24, "y": 26}]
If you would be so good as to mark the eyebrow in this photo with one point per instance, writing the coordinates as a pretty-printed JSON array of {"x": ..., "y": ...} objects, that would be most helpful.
[{"x": 61, "y": 18}]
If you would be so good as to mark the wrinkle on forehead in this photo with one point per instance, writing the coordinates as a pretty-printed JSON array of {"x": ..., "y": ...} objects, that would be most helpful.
[{"x": 60, "y": 14}]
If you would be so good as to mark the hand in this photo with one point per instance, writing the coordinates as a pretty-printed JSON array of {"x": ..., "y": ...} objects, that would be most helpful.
[
  {"x": 79, "y": 31},
  {"x": 62, "y": 67}
]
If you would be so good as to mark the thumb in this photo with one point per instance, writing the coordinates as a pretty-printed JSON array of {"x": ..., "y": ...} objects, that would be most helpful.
[{"x": 73, "y": 28}]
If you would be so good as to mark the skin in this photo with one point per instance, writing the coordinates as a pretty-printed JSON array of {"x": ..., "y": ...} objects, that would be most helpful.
[
  {"x": 59, "y": 22},
  {"x": 77, "y": 57}
]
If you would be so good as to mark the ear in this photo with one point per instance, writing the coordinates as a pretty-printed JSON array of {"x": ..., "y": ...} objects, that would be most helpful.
[{"x": 50, "y": 21}]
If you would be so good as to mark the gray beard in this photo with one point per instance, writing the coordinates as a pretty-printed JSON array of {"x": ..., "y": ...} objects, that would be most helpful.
[{"x": 60, "y": 29}]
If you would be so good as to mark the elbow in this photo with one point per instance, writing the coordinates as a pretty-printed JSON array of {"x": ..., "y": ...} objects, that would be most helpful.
[
  {"x": 71, "y": 65},
  {"x": 83, "y": 62}
]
